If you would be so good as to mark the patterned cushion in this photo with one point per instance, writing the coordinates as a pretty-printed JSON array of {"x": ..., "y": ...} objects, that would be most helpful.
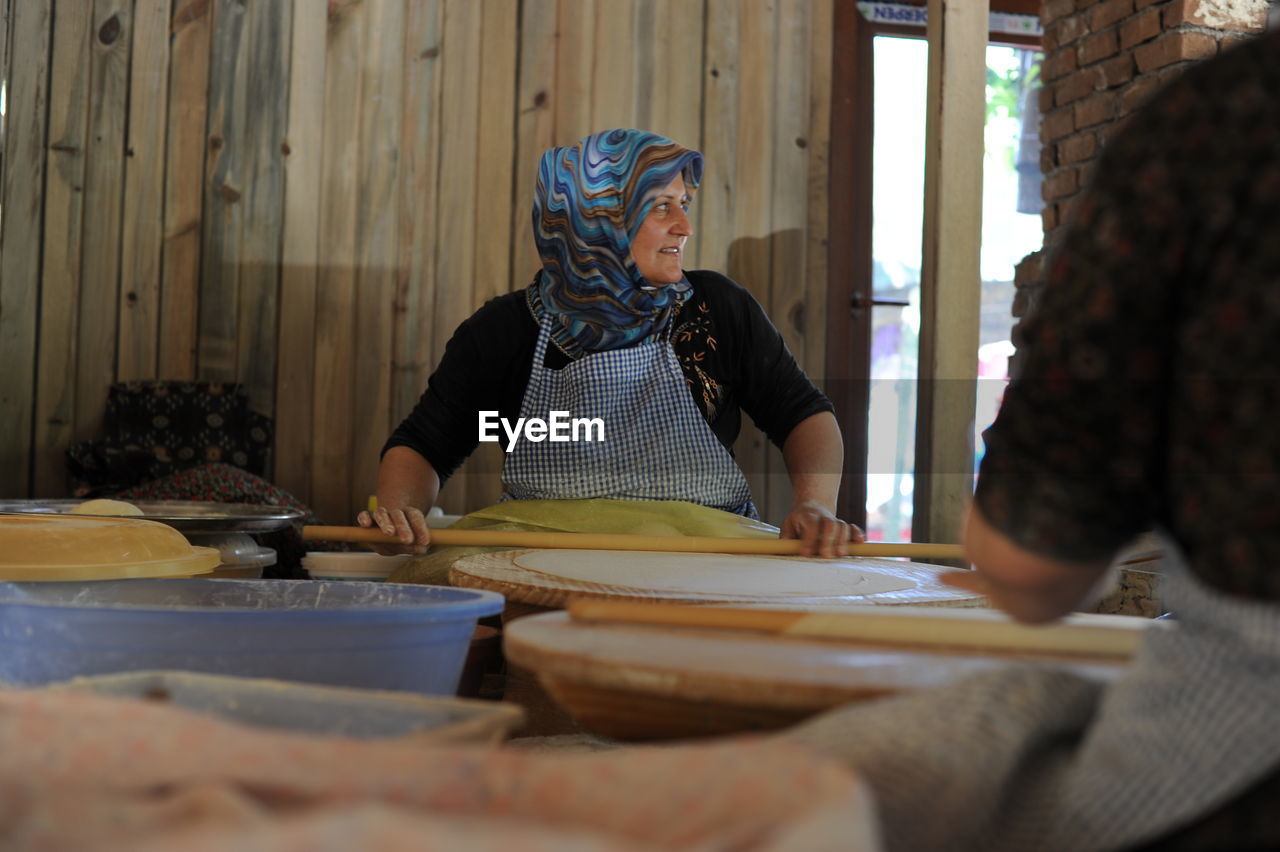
[{"x": 155, "y": 428}]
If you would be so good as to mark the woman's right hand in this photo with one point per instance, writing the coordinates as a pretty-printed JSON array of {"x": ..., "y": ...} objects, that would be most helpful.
[{"x": 408, "y": 524}]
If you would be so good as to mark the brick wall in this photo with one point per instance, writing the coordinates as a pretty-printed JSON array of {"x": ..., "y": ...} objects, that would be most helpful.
[{"x": 1103, "y": 59}]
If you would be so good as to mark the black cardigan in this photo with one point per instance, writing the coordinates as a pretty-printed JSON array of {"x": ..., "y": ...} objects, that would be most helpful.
[{"x": 732, "y": 357}]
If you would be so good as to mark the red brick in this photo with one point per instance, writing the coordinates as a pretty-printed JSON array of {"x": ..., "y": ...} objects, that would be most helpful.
[
  {"x": 1096, "y": 47},
  {"x": 1080, "y": 84},
  {"x": 1019, "y": 307},
  {"x": 1138, "y": 92},
  {"x": 1106, "y": 14},
  {"x": 1109, "y": 130},
  {"x": 1231, "y": 41},
  {"x": 1084, "y": 4},
  {"x": 1095, "y": 110},
  {"x": 1115, "y": 72},
  {"x": 1200, "y": 13},
  {"x": 1068, "y": 30},
  {"x": 1046, "y": 97},
  {"x": 1052, "y": 10},
  {"x": 1027, "y": 271},
  {"x": 1058, "y": 64},
  {"x": 1077, "y": 148},
  {"x": 1057, "y": 124},
  {"x": 1059, "y": 184},
  {"x": 1047, "y": 159},
  {"x": 1049, "y": 218},
  {"x": 1142, "y": 4},
  {"x": 1140, "y": 28},
  {"x": 1174, "y": 47}
]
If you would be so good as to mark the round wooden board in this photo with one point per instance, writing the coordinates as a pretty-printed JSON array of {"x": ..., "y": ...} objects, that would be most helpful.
[
  {"x": 640, "y": 682},
  {"x": 500, "y": 572}
]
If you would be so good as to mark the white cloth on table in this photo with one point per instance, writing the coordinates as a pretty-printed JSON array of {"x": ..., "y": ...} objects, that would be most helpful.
[{"x": 87, "y": 772}]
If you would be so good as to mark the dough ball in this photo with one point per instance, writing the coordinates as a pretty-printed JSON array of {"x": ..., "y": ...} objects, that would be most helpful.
[{"x": 103, "y": 506}]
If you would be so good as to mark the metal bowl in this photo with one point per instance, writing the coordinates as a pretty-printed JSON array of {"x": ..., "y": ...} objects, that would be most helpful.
[{"x": 183, "y": 515}]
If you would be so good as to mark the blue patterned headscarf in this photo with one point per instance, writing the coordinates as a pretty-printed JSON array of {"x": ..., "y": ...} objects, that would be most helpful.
[{"x": 588, "y": 205}]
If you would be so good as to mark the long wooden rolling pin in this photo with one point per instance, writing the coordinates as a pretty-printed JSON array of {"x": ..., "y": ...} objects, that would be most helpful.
[
  {"x": 618, "y": 541},
  {"x": 955, "y": 629}
]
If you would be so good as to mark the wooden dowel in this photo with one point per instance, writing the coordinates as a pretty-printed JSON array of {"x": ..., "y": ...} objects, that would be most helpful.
[
  {"x": 618, "y": 541},
  {"x": 1077, "y": 635}
]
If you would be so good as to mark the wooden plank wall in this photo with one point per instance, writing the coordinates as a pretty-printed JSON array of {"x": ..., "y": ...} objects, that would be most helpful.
[{"x": 307, "y": 196}]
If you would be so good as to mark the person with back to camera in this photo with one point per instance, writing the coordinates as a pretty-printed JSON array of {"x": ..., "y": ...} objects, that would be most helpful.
[
  {"x": 613, "y": 328},
  {"x": 1149, "y": 397}
]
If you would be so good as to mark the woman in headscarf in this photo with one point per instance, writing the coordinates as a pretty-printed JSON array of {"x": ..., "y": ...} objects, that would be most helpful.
[{"x": 613, "y": 330}]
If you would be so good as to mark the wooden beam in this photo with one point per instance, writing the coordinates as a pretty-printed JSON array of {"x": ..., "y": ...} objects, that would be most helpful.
[
  {"x": 22, "y": 200},
  {"x": 848, "y": 352},
  {"x": 295, "y": 366},
  {"x": 60, "y": 269},
  {"x": 950, "y": 280}
]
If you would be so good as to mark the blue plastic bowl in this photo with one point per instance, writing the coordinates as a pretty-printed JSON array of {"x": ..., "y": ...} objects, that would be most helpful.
[{"x": 373, "y": 635}]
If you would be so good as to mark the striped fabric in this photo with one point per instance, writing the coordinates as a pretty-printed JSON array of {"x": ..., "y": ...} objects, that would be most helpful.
[
  {"x": 657, "y": 445},
  {"x": 1041, "y": 758},
  {"x": 589, "y": 202}
]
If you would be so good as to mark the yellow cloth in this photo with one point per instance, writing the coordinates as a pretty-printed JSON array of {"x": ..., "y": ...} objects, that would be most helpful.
[{"x": 600, "y": 515}]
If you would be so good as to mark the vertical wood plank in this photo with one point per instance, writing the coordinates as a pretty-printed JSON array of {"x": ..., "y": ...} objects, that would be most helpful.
[
  {"x": 535, "y": 125},
  {"x": 678, "y": 71},
  {"x": 789, "y": 188},
  {"x": 750, "y": 253},
  {"x": 221, "y": 253},
  {"x": 613, "y": 95},
  {"x": 295, "y": 365},
  {"x": 717, "y": 197},
  {"x": 952, "y": 230},
  {"x": 789, "y": 213},
  {"x": 60, "y": 268},
  {"x": 575, "y": 58},
  {"x": 104, "y": 183},
  {"x": 496, "y": 151},
  {"x": 821, "y": 28},
  {"x": 494, "y": 172},
  {"x": 676, "y": 68},
  {"x": 456, "y": 215},
  {"x": 419, "y": 156},
  {"x": 21, "y": 194},
  {"x": 335, "y": 292},
  {"x": 144, "y": 193},
  {"x": 259, "y": 126},
  {"x": 190, "y": 34},
  {"x": 6, "y": 17},
  {"x": 376, "y": 239}
]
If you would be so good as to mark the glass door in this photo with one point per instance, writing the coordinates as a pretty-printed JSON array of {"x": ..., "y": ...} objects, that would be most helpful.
[{"x": 1011, "y": 229}]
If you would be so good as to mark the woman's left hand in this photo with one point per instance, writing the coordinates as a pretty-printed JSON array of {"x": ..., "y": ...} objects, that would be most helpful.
[{"x": 820, "y": 532}]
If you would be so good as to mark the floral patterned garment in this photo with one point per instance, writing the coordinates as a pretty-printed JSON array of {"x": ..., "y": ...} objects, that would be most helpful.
[
  {"x": 1150, "y": 391},
  {"x": 156, "y": 428}
]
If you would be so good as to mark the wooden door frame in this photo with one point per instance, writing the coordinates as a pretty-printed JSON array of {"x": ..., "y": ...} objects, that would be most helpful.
[{"x": 848, "y": 361}]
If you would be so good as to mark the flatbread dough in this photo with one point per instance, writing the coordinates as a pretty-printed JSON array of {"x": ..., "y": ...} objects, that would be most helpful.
[
  {"x": 104, "y": 506},
  {"x": 714, "y": 573}
]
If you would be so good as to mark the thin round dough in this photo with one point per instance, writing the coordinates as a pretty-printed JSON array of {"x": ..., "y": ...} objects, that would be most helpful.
[{"x": 714, "y": 573}]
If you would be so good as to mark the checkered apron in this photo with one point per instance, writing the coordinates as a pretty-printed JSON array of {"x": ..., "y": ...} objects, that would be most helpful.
[{"x": 657, "y": 445}]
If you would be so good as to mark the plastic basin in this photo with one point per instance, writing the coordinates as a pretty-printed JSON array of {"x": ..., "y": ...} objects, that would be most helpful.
[{"x": 372, "y": 635}]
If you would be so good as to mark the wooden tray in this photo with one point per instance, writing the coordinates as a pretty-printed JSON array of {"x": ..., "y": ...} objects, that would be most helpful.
[
  {"x": 501, "y": 572},
  {"x": 640, "y": 682}
]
